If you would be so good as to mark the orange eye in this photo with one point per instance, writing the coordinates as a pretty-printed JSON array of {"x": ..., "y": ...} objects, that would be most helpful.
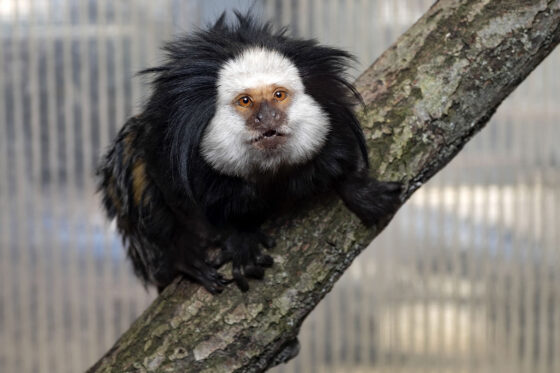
[
  {"x": 245, "y": 101},
  {"x": 280, "y": 95}
]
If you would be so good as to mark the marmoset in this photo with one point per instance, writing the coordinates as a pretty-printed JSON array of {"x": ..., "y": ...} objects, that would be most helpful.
[{"x": 241, "y": 122}]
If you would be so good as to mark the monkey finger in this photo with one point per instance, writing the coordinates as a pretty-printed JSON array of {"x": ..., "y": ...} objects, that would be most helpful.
[
  {"x": 264, "y": 260},
  {"x": 207, "y": 276},
  {"x": 212, "y": 288},
  {"x": 223, "y": 257},
  {"x": 221, "y": 280},
  {"x": 240, "y": 279},
  {"x": 390, "y": 186},
  {"x": 265, "y": 240},
  {"x": 254, "y": 271}
]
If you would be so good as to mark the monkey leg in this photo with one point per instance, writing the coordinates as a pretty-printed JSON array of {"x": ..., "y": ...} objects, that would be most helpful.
[{"x": 369, "y": 199}]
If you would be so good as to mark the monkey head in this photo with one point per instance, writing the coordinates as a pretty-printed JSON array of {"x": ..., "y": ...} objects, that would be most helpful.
[{"x": 264, "y": 119}]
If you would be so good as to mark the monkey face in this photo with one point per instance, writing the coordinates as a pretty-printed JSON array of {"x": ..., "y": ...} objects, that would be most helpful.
[
  {"x": 264, "y": 119},
  {"x": 265, "y": 110}
]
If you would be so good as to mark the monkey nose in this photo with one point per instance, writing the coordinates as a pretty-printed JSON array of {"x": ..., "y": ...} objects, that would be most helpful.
[{"x": 259, "y": 117}]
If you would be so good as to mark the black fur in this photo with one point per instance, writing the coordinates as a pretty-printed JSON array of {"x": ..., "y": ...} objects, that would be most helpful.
[{"x": 181, "y": 207}]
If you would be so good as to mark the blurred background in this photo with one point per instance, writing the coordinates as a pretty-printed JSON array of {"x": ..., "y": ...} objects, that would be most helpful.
[{"x": 466, "y": 278}]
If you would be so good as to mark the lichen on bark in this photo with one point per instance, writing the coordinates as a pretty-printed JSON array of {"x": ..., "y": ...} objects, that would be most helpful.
[{"x": 425, "y": 97}]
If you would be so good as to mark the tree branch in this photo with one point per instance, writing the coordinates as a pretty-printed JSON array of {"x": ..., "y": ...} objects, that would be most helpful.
[{"x": 425, "y": 98}]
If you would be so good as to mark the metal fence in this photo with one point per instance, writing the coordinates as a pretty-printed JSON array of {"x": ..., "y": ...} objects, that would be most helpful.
[{"x": 466, "y": 277}]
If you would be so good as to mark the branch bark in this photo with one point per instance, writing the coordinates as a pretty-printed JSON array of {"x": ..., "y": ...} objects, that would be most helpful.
[{"x": 426, "y": 96}]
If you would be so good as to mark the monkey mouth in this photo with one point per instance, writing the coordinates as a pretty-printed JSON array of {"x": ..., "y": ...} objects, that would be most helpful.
[{"x": 269, "y": 140}]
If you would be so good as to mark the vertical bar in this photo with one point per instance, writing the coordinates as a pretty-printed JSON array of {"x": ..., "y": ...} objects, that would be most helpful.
[
  {"x": 363, "y": 37},
  {"x": 366, "y": 339},
  {"x": 348, "y": 321},
  {"x": 546, "y": 327},
  {"x": 104, "y": 274},
  {"x": 455, "y": 246},
  {"x": 306, "y": 344},
  {"x": 320, "y": 338},
  {"x": 118, "y": 42},
  {"x": 21, "y": 192},
  {"x": 530, "y": 270},
  {"x": 335, "y": 331},
  {"x": 425, "y": 275},
  {"x": 122, "y": 282},
  {"x": 268, "y": 10},
  {"x": 495, "y": 294},
  {"x": 73, "y": 201},
  {"x": 136, "y": 57},
  {"x": 384, "y": 338},
  {"x": 433, "y": 267},
  {"x": 488, "y": 264},
  {"x": 54, "y": 195},
  {"x": 537, "y": 293},
  {"x": 517, "y": 274},
  {"x": 547, "y": 337},
  {"x": 6, "y": 262},
  {"x": 41, "y": 319},
  {"x": 331, "y": 31},
  {"x": 351, "y": 22},
  {"x": 89, "y": 317},
  {"x": 466, "y": 201},
  {"x": 316, "y": 20},
  {"x": 136, "y": 54},
  {"x": 500, "y": 189},
  {"x": 287, "y": 15},
  {"x": 303, "y": 18},
  {"x": 392, "y": 302},
  {"x": 408, "y": 303},
  {"x": 528, "y": 273},
  {"x": 148, "y": 58},
  {"x": 555, "y": 238},
  {"x": 443, "y": 298},
  {"x": 504, "y": 257},
  {"x": 511, "y": 272}
]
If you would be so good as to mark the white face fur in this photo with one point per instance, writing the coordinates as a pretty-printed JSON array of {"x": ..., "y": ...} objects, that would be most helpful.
[{"x": 227, "y": 141}]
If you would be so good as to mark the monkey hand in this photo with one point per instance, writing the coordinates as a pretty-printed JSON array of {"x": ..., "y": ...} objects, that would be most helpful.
[
  {"x": 369, "y": 199},
  {"x": 199, "y": 271},
  {"x": 243, "y": 250}
]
